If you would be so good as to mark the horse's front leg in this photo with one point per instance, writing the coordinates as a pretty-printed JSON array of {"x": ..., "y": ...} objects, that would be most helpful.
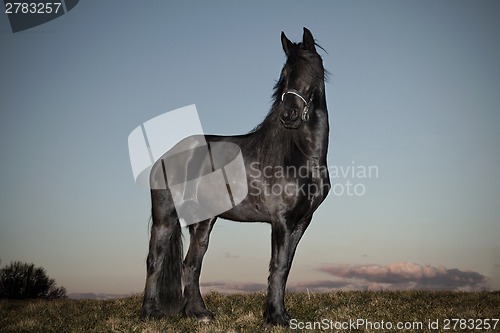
[{"x": 284, "y": 240}]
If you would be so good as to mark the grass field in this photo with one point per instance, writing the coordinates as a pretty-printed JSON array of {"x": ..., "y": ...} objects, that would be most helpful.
[{"x": 353, "y": 311}]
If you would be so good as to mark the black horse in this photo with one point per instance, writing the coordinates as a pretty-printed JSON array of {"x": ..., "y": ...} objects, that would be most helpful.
[{"x": 285, "y": 164}]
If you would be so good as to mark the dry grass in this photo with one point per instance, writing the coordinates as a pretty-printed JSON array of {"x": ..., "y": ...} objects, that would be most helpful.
[{"x": 243, "y": 312}]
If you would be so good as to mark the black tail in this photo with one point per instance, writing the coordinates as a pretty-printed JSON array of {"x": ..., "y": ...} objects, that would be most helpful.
[
  {"x": 163, "y": 293},
  {"x": 170, "y": 277}
]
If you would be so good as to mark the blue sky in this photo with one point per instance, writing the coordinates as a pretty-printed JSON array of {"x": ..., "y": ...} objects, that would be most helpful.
[{"x": 413, "y": 92}]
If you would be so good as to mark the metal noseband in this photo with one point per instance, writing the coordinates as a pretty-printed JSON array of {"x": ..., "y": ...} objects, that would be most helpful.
[{"x": 305, "y": 112}]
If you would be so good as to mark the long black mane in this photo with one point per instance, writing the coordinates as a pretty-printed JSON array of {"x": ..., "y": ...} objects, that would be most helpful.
[{"x": 273, "y": 143}]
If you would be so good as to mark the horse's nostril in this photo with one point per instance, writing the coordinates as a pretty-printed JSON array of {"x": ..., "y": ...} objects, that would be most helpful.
[{"x": 290, "y": 114}]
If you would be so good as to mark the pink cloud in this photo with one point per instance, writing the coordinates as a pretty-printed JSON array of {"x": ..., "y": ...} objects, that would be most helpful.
[
  {"x": 396, "y": 276},
  {"x": 407, "y": 275}
]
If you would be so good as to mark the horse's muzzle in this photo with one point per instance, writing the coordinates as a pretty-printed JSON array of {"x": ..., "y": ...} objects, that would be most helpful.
[{"x": 290, "y": 118}]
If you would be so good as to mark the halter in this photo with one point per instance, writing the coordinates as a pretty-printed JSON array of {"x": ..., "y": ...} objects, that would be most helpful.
[{"x": 305, "y": 114}]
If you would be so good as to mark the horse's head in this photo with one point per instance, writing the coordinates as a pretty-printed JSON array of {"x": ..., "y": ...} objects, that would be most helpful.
[{"x": 301, "y": 81}]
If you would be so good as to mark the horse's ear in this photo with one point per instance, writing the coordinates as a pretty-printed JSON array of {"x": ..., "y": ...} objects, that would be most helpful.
[
  {"x": 287, "y": 44},
  {"x": 308, "y": 40}
]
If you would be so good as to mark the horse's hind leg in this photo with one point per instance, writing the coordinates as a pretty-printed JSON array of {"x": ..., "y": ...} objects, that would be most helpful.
[
  {"x": 200, "y": 234},
  {"x": 163, "y": 292}
]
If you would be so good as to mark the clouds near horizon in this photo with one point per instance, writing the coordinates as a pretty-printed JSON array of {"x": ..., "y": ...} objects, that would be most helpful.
[
  {"x": 395, "y": 276},
  {"x": 408, "y": 275}
]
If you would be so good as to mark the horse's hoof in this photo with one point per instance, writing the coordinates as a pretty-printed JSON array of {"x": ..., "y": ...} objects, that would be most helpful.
[
  {"x": 151, "y": 315},
  {"x": 277, "y": 320},
  {"x": 203, "y": 316}
]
